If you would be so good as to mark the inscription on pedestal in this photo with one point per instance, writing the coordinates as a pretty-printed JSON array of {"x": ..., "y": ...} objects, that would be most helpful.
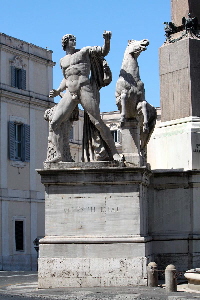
[{"x": 91, "y": 209}]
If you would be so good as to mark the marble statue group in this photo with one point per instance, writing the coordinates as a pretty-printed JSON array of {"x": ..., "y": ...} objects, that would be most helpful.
[{"x": 85, "y": 72}]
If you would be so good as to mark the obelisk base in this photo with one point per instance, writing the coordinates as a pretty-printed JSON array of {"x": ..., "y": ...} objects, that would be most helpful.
[{"x": 177, "y": 145}]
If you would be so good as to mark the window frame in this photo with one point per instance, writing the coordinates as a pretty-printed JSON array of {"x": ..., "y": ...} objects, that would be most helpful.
[
  {"x": 115, "y": 135},
  {"x": 18, "y": 141},
  {"x": 19, "y": 219},
  {"x": 18, "y": 78},
  {"x": 14, "y": 143}
]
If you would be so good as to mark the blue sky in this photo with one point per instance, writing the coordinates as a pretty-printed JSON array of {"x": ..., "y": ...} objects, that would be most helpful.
[{"x": 44, "y": 22}]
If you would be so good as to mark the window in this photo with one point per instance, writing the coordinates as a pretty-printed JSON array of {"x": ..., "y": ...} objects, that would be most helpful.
[
  {"x": 18, "y": 78},
  {"x": 19, "y": 141},
  {"x": 19, "y": 235},
  {"x": 116, "y": 135}
]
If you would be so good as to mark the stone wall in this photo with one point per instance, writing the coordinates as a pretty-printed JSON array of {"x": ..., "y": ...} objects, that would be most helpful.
[{"x": 174, "y": 224}]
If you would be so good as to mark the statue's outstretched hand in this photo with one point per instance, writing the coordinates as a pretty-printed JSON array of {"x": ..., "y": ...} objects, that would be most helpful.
[
  {"x": 107, "y": 35},
  {"x": 53, "y": 93}
]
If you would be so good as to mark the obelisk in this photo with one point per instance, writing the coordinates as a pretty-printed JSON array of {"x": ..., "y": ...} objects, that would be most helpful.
[
  {"x": 180, "y": 67},
  {"x": 177, "y": 139},
  {"x": 181, "y": 8}
]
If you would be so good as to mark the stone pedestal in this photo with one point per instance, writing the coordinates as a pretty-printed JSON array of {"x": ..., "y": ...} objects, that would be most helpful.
[
  {"x": 131, "y": 142},
  {"x": 177, "y": 145},
  {"x": 193, "y": 277},
  {"x": 96, "y": 226}
]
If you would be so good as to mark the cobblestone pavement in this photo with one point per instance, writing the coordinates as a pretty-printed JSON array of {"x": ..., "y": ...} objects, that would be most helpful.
[{"x": 23, "y": 285}]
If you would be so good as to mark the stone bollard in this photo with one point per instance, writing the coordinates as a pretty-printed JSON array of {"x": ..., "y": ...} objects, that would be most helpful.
[
  {"x": 152, "y": 274},
  {"x": 170, "y": 278}
]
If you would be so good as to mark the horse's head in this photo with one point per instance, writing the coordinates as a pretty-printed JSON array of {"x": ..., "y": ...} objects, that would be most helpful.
[{"x": 136, "y": 47}]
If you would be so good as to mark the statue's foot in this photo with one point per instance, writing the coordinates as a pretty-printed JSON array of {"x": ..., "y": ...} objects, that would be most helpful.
[
  {"x": 117, "y": 157},
  {"x": 54, "y": 160}
]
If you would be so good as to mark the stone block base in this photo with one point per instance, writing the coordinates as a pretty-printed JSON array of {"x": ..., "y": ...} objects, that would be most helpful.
[
  {"x": 96, "y": 226},
  {"x": 91, "y": 272},
  {"x": 89, "y": 262}
]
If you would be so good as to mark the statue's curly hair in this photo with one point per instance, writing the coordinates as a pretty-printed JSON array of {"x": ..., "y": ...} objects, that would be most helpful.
[{"x": 66, "y": 37}]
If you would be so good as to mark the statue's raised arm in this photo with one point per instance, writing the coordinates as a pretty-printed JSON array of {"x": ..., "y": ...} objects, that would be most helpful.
[{"x": 106, "y": 47}]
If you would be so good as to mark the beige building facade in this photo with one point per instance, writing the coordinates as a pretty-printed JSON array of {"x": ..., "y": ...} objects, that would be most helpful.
[{"x": 25, "y": 81}]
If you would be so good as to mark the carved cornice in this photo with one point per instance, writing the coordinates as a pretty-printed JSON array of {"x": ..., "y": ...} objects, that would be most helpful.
[
  {"x": 27, "y": 55},
  {"x": 18, "y": 62},
  {"x": 21, "y": 43},
  {"x": 29, "y": 99},
  {"x": 114, "y": 126}
]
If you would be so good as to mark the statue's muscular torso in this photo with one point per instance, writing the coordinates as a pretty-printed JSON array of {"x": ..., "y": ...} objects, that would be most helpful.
[{"x": 76, "y": 69}]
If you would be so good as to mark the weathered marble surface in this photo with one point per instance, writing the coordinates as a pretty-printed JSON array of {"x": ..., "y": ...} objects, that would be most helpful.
[
  {"x": 174, "y": 218},
  {"x": 91, "y": 272},
  {"x": 95, "y": 227},
  {"x": 193, "y": 277}
]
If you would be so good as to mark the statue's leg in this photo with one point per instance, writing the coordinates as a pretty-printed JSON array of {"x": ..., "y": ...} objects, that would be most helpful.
[
  {"x": 89, "y": 104},
  {"x": 123, "y": 106},
  {"x": 63, "y": 110},
  {"x": 143, "y": 107}
]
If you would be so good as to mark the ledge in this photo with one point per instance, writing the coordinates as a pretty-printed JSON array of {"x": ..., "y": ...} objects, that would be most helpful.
[
  {"x": 105, "y": 173},
  {"x": 94, "y": 239}
]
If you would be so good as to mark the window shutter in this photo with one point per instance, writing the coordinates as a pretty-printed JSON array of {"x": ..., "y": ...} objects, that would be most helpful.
[
  {"x": 19, "y": 78},
  {"x": 119, "y": 138},
  {"x": 23, "y": 79},
  {"x": 13, "y": 76},
  {"x": 11, "y": 132},
  {"x": 26, "y": 146}
]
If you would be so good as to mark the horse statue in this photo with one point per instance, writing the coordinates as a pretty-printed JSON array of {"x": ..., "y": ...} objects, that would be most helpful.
[{"x": 130, "y": 93}]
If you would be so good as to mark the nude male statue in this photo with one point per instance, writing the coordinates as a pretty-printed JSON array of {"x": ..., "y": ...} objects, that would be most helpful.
[{"x": 76, "y": 67}]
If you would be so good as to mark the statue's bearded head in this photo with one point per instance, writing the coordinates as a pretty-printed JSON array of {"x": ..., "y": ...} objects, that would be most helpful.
[{"x": 68, "y": 38}]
